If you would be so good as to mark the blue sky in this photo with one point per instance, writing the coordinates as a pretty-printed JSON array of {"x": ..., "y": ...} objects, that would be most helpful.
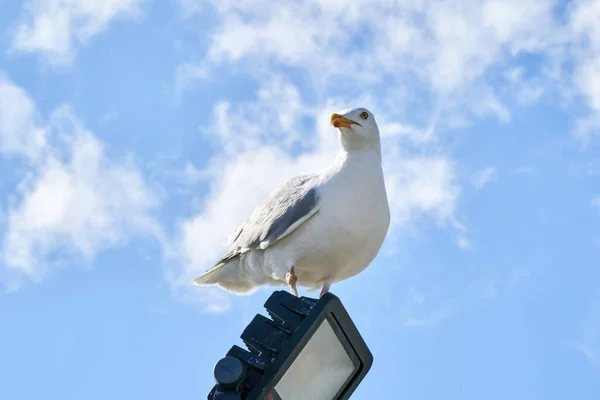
[{"x": 136, "y": 135}]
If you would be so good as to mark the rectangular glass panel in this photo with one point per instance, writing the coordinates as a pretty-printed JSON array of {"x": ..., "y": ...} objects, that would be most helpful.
[{"x": 320, "y": 369}]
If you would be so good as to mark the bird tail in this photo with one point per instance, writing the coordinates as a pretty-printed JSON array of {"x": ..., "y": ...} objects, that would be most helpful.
[{"x": 229, "y": 275}]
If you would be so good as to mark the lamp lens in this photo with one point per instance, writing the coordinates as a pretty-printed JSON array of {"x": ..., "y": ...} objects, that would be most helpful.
[{"x": 320, "y": 370}]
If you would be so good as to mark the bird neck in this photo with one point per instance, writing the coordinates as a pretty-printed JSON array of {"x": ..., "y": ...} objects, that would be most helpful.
[
  {"x": 362, "y": 158},
  {"x": 351, "y": 143}
]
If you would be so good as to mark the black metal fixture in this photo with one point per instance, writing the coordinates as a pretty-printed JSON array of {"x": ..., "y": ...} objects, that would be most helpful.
[{"x": 308, "y": 349}]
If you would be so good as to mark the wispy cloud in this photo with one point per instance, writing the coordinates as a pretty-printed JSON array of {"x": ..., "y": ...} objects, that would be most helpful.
[
  {"x": 449, "y": 48},
  {"x": 585, "y": 33},
  {"x": 19, "y": 134},
  {"x": 422, "y": 310},
  {"x": 463, "y": 243},
  {"x": 74, "y": 200},
  {"x": 470, "y": 59},
  {"x": 54, "y": 28},
  {"x": 484, "y": 177}
]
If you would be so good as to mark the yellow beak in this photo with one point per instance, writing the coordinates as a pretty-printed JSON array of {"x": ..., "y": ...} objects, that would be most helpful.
[{"x": 341, "y": 122}]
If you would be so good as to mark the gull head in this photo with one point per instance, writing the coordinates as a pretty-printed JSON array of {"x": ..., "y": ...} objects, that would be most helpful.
[{"x": 357, "y": 127}]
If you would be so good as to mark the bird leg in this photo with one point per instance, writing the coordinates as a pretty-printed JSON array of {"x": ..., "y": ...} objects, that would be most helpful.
[
  {"x": 325, "y": 289},
  {"x": 290, "y": 279}
]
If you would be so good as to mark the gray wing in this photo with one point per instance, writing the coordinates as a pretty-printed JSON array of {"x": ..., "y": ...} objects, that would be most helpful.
[
  {"x": 281, "y": 213},
  {"x": 278, "y": 216}
]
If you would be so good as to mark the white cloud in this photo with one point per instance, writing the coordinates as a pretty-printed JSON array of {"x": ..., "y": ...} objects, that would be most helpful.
[
  {"x": 586, "y": 80},
  {"x": 275, "y": 145},
  {"x": 528, "y": 90},
  {"x": 467, "y": 58},
  {"x": 75, "y": 199},
  {"x": 463, "y": 243},
  {"x": 420, "y": 184},
  {"x": 54, "y": 27},
  {"x": 484, "y": 177},
  {"x": 448, "y": 47},
  {"x": 585, "y": 34},
  {"x": 18, "y": 131}
]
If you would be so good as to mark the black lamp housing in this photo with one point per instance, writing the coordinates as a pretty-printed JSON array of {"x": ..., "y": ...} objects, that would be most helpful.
[{"x": 275, "y": 343}]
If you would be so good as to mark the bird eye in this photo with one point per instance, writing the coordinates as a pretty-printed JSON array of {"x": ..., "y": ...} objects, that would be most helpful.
[{"x": 364, "y": 115}]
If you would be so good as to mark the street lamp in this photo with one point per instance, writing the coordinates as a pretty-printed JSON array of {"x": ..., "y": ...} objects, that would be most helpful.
[{"x": 308, "y": 349}]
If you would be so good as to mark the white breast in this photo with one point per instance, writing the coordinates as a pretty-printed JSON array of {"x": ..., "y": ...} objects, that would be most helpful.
[
  {"x": 358, "y": 203},
  {"x": 349, "y": 229}
]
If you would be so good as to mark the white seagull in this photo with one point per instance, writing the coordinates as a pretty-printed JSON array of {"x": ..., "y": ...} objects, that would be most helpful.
[{"x": 316, "y": 229}]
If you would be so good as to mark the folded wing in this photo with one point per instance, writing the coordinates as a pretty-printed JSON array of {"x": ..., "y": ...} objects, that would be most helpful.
[{"x": 279, "y": 215}]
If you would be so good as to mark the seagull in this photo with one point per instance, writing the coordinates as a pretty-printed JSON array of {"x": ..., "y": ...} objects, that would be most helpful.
[{"x": 316, "y": 229}]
